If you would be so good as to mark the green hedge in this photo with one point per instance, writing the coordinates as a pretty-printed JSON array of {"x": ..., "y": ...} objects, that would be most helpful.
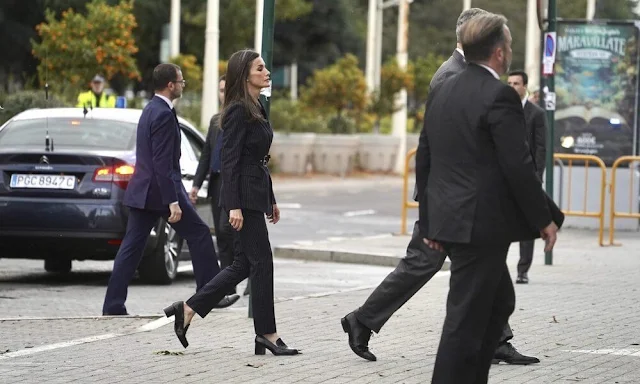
[{"x": 21, "y": 101}]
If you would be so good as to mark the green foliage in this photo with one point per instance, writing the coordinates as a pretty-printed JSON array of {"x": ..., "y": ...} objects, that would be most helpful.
[
  {"x": 23, "y": 100},
  {"x": 191, "y": 71},
  {"x": 75, "y": 47},
  {"x": 336, "y": 88},
  {"x": 382, "y": 101},
  {"x": 288, "y": 116},
  {"x": 422, "y": 70}
]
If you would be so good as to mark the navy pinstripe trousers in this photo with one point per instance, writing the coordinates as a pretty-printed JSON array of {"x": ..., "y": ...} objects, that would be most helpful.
[{"x": 253, "y": 258}]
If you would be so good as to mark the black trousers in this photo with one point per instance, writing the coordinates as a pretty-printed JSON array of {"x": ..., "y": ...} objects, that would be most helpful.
[
  {"x": 140, "y": 222},
  {"x": 526, "y": 256},
  {"x": 419, "y": 265},
  {"x": 253, "y": 259},
  {"x": 481, "y": 299},
  {"x": 224, "y": 230}
]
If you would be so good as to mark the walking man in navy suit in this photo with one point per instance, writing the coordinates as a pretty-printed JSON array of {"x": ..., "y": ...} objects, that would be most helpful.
[{"x": 156, "y": 191}]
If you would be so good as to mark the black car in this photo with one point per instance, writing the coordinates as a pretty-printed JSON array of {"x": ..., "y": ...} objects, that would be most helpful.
[{"x": 62, "y": 181}]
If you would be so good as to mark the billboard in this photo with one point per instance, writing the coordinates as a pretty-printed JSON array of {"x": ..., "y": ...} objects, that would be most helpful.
[{"x": 596, "y": 89}]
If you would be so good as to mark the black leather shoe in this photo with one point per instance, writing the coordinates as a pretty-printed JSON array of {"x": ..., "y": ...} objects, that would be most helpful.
[
  {"x": 508, "y": 354},
  {"x": 522, "y": 279},
  {"x": 359, "y": 336},
  {"x": 227, "y": 301},
  {"x": 177, "y": 309},
  {"x": 278, "y": 349}
]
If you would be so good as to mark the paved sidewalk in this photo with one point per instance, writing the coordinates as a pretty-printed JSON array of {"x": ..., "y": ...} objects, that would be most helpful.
[{"x": 580, "y": 316}]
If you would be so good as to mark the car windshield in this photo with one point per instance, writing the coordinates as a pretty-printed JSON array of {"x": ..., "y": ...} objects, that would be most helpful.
[{"x": 69, "y": 133}]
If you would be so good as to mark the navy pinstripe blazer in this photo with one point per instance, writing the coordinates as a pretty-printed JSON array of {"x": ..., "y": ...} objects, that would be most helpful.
[{"x": 246, "y": 182}]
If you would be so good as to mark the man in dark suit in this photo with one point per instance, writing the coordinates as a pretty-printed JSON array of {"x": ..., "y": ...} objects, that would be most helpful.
[
  {"x": 156, "y": 191},
  {"x": 536, "y": 120},
  {"x": 420, "y": 263},
  {"x": 210, "y": 164},
  {"x": 479, "y": 193}
]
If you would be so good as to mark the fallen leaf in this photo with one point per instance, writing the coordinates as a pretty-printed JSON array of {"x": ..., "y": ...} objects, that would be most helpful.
[
  {"x": 554, "y": 319},
  {"x": 255, "y": 365}
]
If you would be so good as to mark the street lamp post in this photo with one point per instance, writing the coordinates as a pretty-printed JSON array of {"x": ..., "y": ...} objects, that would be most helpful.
[
  {"x": 174, "y": 39},
  {"x": 550, "y": 89},
  {"x": 209, "y": 105},
  {"x": 402, "y": 56}
]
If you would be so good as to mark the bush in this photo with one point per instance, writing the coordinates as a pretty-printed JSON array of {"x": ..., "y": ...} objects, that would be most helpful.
[
  {"x": 23, "y": 100},
  {"x": 288, "y": 116}
]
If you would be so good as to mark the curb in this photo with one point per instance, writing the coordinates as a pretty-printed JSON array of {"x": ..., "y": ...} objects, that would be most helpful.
[{"x": 340, "y": 256}]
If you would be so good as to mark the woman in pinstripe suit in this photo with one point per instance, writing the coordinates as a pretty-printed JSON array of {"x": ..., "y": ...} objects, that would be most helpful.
[{"x": 247, "y": 195}]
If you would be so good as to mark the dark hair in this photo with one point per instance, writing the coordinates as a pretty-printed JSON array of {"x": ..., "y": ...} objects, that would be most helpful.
[
  {"x": 481, "y": 35},
  {"x": 163, "y": 74},
  {"x": 521, "y": 73},
  {"x": 235, "y": 88},
  {"x": 466, "y": 16}
]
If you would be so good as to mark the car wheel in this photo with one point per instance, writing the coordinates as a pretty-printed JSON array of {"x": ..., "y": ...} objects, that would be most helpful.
[
  {"x": 57, "y": 265},
  {"x": 160, "y": 264}
]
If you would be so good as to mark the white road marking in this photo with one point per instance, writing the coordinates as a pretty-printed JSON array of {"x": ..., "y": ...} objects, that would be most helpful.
[
  {"x": 635, "y": 352},
  {"x": 289, "y": 205},
  {"x": 50, "y": 347},
  {"x": 155, "y": 324},
  {"x": 359, "y": 213}
]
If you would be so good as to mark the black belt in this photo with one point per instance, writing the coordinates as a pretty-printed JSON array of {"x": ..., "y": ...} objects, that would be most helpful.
[{"x": 265, "y": 160}]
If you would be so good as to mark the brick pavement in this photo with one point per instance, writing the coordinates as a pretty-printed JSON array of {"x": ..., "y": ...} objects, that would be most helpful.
[{"x": 588, "y": 300}]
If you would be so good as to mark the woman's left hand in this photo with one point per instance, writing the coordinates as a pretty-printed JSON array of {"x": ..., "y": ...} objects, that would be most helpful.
[{"x": 275, "y": 216}]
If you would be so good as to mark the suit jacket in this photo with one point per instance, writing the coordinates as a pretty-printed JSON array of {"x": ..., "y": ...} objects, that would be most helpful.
[
  {"x": 476, "y": 172},
  {"x": 536, "y": 121},
  {"x": 246, "y": 182},
  {"x": 204, "y": 165},
  {"x": 454, "y": 65},
  {"x": 157, "y": 180}
]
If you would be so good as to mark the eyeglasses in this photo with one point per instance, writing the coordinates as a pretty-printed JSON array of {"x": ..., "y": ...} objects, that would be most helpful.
[{"x": 183, "y": 82}]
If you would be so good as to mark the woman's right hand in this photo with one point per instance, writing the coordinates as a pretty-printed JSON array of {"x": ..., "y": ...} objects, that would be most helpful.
[{"x": 235, "y": 219}]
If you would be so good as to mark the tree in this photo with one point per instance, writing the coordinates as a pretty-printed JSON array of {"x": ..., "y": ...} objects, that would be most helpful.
[
  {"x": 383, "y": 100},
  {"x": 335, "y": 89},
  {"x": 318, "y": 38},
  {"x": 76, "y": 47},
  {"x": 421, "y": 70},
  {"x": 191, "y": 71}
]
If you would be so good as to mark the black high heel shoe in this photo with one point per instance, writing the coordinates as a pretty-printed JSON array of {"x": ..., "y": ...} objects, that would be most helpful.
[
  {"x": 177, "y": 309},
  {"x": 278, "y": 349}
]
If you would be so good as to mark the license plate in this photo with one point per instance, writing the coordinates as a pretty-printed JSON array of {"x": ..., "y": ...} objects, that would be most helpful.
[{"x": 43, "y": 181}]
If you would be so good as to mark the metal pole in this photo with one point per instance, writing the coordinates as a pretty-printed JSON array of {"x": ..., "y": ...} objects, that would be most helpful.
[
  {"x": 550, "y": 84},
  {"x": 532, "y": 53},
  {"x": 371, "y": 45},
  {"x": 400, "y": 116},
  {"x": 466, "y": 4},
  {"x": 174, "y": 40},
  {"x": 378, "y": 50},
  {"x": 210, "y": 76},
  {"x": 591, "y": 9},
  {"x": 267, "y": 45},
  {"x": 259, "y": 21}
]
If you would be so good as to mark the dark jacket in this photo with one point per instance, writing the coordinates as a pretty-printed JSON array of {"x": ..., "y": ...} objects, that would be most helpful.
[
  {"x": 157, "y": 180},
  {"x": 246, "y": 182},
  {"x": 474, "y": 169},
  {"x": 204, "y": 165},
  {"x": 536, "y": 120},
  {"x": 454, "y": 65}
]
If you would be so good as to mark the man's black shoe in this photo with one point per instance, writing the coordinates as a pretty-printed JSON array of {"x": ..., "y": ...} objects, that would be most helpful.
[
  {"x": 359, "y": 336},
  {"x": 508, "y": 353},
  {"x": 227, "y": 301}
]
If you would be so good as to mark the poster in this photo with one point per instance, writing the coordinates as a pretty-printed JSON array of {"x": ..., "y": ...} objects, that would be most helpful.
[{"x": 596, "y": 87}]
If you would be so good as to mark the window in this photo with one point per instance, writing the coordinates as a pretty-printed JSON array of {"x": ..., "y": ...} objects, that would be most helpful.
[
  {"x": 76, "y": 133},
  {"x": 196, "y": 142}
]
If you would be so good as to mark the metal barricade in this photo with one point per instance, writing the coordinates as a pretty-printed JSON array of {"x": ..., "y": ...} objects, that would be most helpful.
[
  {"x": 587, "y": 159},
  {"x": 406, "y": 203},
  {"x": 623, "y": 215}
]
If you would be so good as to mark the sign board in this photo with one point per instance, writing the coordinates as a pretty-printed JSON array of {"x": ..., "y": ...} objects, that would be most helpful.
[
  {"x": 550, "y": 101},
  {"x": 596, "y": 85}
]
